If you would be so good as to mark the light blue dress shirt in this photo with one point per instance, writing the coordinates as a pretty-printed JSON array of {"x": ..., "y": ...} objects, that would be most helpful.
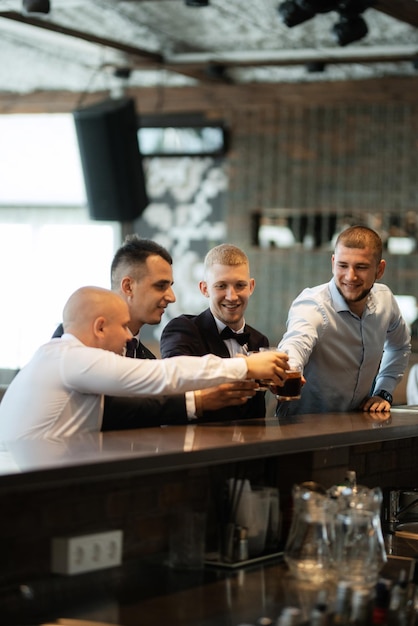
[{"x": 344, "y": 357}]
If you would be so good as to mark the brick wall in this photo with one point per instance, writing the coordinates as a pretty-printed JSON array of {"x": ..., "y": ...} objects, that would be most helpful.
[
  {"x": 353, "y": 163},
  {"x": 341, "y": 151}
]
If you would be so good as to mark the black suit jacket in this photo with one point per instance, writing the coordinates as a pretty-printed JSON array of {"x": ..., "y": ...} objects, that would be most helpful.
[
  {"x": 197, "y": 335},
  {"x": 123, "y": 413}
]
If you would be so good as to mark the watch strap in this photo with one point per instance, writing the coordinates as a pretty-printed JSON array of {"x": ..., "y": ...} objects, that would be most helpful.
[{"x": 386, "y": 396}]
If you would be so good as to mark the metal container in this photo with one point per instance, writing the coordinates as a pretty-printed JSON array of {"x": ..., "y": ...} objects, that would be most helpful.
[{"x": 403, "y": 506}]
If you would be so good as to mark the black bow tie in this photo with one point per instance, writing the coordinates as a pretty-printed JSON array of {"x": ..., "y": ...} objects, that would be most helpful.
[{"x": 228, "y": 333}]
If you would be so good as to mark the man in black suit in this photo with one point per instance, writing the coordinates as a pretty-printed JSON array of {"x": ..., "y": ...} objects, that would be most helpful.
[
  {"x": 221, "y": 329},
  {"x": 141, "y": 273}
]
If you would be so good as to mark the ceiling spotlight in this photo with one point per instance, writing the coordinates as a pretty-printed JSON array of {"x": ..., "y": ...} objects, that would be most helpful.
[
  {"x": 315, "y": 66},
  {"x": 122, "y": 72},
  {"x": 354, "y": 7},
  {"x": 349, "y": 29},
  {"x": 318, "y": 6},
  {"x": 292, "y": 14},
  {"x": 36, "y": 6},
  {"x": 217, "y": 72},
  {"x": 196, "y": 3}
]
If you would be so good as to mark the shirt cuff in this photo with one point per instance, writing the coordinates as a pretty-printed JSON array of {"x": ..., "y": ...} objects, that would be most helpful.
[{"x": 190, "y": 405}]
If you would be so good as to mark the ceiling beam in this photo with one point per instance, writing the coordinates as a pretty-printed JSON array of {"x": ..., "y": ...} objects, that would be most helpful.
[
  {"x": 352, "y": 54},
  {"x": 209, "y": 68},
  {"x": 218, "y": 100},
  {"x": 139, "y": 58},
  {"x": 145, "y": 55}
]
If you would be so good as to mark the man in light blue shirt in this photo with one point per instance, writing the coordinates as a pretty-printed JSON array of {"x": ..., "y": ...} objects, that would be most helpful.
[{"x": 348, "y": 335}]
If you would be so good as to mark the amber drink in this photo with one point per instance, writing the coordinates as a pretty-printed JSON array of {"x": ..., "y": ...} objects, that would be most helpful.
[{"x": 292, "y": 386}]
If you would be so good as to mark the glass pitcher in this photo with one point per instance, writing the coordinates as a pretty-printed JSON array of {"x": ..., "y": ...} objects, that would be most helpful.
[
  {"x": 359, "y": 545},
  {"x": 309, "y": 548}
]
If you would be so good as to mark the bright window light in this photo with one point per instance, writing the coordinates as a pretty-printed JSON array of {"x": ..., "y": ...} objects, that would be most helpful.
[
  {"x": 45, "y": 265},
  {"x": 39, "y": 161},
  {"x": 48, "y": 245}
]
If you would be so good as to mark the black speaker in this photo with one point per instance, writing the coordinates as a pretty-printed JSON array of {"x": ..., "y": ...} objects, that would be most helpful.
[{"x": 107, "y": 134}]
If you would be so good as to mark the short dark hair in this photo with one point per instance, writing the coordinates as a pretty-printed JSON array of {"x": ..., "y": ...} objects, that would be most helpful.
[
  {"x": 132, "y": 255},
  {"x": 361, "y": 237}
]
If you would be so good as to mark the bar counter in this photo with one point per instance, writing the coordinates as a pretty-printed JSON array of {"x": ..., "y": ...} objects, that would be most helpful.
[
  {"x": 132, "y": 480},
  {"x": 27, "y": 463}
]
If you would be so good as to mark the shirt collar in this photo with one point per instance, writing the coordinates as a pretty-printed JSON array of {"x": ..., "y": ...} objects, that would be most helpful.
[{"x": 340, "y": 304}]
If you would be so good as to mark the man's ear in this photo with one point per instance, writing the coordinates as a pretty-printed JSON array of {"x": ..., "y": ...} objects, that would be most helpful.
[
  {"x": 126, "y": 285},
  {"x": 99, "y": 326},
  {"x": 380, "y": 269},
  {"x": 203, "y": 286},
  {"x": 252, "y": 285}
]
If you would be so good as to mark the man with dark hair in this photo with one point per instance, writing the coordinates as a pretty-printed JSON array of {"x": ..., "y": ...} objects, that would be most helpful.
[
  {"x": 348, "y": 335},
  {"x": 141, "y": 273}
]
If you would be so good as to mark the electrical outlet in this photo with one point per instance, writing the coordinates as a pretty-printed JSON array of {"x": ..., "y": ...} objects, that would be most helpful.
[{"x": 86, "y": 553}]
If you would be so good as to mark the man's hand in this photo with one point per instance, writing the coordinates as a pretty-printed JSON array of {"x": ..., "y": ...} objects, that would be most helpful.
[
  {"x": 228, "y": 394},
  {"x": 268, "y": 365},
  {"x": 375, "y": 404}
]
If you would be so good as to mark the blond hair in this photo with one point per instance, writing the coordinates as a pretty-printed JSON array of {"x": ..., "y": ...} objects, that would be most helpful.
[{"x": 225, "y": 254}]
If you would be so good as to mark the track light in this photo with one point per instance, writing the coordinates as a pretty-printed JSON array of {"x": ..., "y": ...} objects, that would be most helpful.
[
  {"x": 292, "y": 14},
  {"x": 318, "y": 6},
  {"x": 354, "y": 7},
  {"x": 122, "y": 72},
  {"x": 217, "y": 72},
  {"x": 36, "y": 6},
  {"x": 196, "y": 3},
  {"x": 349, "y": 29},
  {"x": 315, "y": 66}
]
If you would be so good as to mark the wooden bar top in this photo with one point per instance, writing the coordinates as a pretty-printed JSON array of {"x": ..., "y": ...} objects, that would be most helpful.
[{"x": 26, "y": 463}]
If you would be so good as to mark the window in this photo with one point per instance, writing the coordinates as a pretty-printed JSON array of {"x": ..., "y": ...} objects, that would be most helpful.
[{"x": 48, "y": 245}]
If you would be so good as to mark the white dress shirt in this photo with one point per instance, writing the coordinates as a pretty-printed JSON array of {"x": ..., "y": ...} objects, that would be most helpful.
[
  {"x": 60, "y": 391},
  {"x": 234, "y": 348},
  {"x": 345, "y": 357}
]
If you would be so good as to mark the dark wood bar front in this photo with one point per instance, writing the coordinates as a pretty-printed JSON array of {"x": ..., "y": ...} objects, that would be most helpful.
[{"x": 133, "y": 480}]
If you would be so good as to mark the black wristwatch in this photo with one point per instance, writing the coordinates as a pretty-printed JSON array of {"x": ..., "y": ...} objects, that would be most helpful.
[{"x": 386, "y": 396}]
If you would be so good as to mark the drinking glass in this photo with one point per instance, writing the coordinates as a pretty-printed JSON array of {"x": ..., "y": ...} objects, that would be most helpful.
[
  {"x": 265, "y": 384},
  {"x": 292, "y": 386},
  {"x": 187, "y": 539}
]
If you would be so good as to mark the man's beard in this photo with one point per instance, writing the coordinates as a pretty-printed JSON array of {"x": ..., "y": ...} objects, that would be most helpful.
[{"x": 359, "y": 298}]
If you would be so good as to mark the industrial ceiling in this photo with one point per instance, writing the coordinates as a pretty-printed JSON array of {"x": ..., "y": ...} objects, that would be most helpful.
[{"x": 94, "y": 45}]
